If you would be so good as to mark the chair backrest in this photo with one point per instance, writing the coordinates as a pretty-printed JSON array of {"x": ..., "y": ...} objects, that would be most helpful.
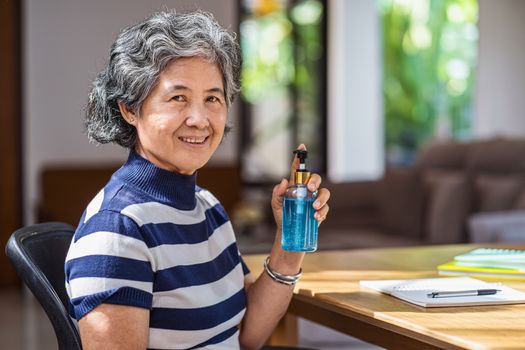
[{"x": 38, "y": 253}]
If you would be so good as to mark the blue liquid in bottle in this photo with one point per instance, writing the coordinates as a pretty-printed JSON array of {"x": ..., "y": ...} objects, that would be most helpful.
[{"x": 300, "y": 229}]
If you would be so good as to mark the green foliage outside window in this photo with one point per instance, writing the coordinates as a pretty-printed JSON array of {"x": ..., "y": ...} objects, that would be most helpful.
[
  {"x": 282, "y": 47},
  {"x": 429, "y": 58}
]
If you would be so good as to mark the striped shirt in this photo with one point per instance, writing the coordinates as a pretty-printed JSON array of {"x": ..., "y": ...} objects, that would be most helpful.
[{"x": 153, "y": 239}]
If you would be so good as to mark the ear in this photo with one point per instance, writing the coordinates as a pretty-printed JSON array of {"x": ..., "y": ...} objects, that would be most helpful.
[{"x": 128, "y": 115}]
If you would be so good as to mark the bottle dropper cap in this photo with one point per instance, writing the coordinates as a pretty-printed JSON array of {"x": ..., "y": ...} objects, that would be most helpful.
[{"x": 302, "y": 175}]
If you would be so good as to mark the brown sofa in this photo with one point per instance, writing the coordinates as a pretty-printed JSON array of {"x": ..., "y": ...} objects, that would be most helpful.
[{"x": 432, "y": 201}]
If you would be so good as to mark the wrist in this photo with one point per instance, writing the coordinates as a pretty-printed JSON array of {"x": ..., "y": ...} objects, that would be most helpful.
[
  {"x": 287, "y": 279},
  {"x": 285, "y": 262}
]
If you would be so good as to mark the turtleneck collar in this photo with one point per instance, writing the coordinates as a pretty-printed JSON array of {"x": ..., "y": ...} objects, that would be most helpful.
[{"x": 165, "y": 186}]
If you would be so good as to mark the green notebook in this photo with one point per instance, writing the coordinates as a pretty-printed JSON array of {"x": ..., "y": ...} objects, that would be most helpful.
[
  {"x": 487, "y": 262},
  {"x": 483, "y": 254}
]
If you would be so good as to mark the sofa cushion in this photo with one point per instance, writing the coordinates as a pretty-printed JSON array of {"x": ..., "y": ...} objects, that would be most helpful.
[
  {"x": 351, "y": 238},
  {"x": 401, "y": 203},
  {"x": 520, "y": 201},
  {"x": 352, "y": 204},
  {"x": 494, "y": 192},
  {"x": 442, "y": 155},
  {"x": 502, "y": 156},
  {"x": 447, "y": 194}
]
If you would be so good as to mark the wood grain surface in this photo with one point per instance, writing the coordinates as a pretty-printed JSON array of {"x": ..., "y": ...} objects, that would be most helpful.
[{"x": 329, "y": 293}]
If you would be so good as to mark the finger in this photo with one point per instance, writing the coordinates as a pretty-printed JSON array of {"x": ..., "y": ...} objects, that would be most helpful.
[
  {"x": 295, "y": 164},
  {"x": 278, "y": 194},
  {"x": 314, "y": 182},
  {"x": 279, "y": 189},
  {"x": 322, "y": 198},
  {"x": 322, "y": 213}
]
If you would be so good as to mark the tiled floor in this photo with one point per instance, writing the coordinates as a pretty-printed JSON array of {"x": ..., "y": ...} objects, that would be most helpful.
[{"x": 24, "y": 326}]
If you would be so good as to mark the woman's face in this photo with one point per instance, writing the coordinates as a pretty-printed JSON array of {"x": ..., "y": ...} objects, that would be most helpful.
[{"x": 182, "y": 121}]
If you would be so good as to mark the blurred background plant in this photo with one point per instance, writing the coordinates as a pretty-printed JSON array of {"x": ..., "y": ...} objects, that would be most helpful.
[
  {"x": 282, "y": 85},
  {"x": 429, "y": 61}
]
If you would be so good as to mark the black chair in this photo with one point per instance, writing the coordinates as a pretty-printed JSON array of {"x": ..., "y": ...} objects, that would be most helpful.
[{"x": 38, "y": 253}]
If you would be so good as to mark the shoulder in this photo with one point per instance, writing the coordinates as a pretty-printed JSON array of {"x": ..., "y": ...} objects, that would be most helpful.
[
  {"x": 108, "y": 245},
  {"x": 109, "y": 205},
  {"x": 104, "y": 212},
  {"x": 108, "y": 221},
  {"x": 206, "y": 197},
  {"x": 209, "y": 202}
]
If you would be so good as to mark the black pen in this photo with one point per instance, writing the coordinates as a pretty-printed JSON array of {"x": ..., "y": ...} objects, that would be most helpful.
[{"x": 463, "y": 293}]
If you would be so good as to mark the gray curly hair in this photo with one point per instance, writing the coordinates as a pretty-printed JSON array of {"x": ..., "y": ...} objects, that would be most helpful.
[{"x": 139, "y": 55}]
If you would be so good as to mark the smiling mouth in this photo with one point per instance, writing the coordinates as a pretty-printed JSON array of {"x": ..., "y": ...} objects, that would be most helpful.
[{"x": 194, "y": 140}]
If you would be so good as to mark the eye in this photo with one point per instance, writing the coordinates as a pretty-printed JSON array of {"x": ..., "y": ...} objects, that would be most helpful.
[
  {"x": 179, "y": 98},
  {"x": 212, "y": 99}
]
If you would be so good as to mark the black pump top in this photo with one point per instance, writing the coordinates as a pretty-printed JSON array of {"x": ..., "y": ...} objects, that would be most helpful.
[
  {"x": 302, "y": 155},
  {"x": 302, "y": 175}
]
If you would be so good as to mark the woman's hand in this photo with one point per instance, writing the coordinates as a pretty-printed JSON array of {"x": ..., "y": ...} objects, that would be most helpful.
[{"x": 314, "y": 184}]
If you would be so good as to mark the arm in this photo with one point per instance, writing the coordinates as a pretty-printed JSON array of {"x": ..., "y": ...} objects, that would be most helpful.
[
  {"x": 115, "y": 327},
  {"x": 267, "y": 300}
]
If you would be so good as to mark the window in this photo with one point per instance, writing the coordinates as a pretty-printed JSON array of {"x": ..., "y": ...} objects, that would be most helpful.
[
  {"x": 283, "y": 80},
  {"x": 429, "y": 57}
]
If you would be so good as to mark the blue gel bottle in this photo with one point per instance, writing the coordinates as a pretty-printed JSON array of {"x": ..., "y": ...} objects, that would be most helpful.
[{"x": 299, "y": 232}]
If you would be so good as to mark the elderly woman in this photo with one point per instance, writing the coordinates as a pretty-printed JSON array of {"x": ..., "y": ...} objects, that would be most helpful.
[{"x": 154, "y": 261}]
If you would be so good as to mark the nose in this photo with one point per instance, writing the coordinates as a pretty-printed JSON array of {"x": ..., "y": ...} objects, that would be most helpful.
[{"x": 197, "y": 117}]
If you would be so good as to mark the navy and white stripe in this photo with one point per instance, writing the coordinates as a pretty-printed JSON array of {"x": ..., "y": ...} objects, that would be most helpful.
[{"x": 153, "y": 239}]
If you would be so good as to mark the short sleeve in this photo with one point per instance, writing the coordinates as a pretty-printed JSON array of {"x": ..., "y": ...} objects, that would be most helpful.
[
  {"x": 108, "y": 262},
  {"x": 245, "y": 268}
]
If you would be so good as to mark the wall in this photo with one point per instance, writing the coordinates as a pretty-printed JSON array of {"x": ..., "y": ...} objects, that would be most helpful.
[
  {"x": 355, "y": 105},
  {"x": 66, "y": 44},
  {"x": 500, "y": 96}
]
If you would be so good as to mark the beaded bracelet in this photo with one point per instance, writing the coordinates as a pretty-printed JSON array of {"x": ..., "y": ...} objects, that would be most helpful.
[{"x": 284, "y": 279}]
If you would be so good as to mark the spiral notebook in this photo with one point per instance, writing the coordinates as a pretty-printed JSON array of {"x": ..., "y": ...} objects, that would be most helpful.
[
  {"x": 495, "y": 255},
  {"x": 417, "y": 291}
]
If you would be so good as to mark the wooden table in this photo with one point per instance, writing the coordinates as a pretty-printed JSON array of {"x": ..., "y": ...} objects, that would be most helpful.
[{"x": 329, "y": 294}]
